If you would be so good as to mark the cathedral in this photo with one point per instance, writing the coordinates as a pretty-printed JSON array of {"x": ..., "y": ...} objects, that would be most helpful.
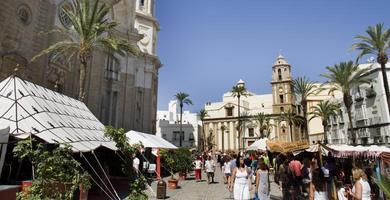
[
  {"x": 221, "y": 124},
  {"x": 121, "y": 92}
]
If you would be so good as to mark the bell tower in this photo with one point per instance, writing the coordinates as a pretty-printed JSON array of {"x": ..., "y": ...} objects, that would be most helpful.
[{"x": 283, "y": 95}]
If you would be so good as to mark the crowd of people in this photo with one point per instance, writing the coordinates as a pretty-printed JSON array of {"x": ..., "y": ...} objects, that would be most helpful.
[{"x": 298, "y": 177}]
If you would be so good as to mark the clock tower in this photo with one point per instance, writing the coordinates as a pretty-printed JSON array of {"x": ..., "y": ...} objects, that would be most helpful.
[{"x": 283, "y": 96}]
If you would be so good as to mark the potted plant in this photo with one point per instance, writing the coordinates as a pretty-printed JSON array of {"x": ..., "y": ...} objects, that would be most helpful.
[
  {"x": 184, "y": 163},
  {"x": 170, "y": 158},
  {"x": 56, "y": 173}
]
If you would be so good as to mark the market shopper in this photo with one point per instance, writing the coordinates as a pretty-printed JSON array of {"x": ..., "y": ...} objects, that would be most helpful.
[
  {"x": 295, "y": 167},
  {"x": 198, "y": 168},
  {"x": 241, "y": 181},
  {"x": 284, "y": 179},
  {"x": 210, "y": 169},
  {"x": 318, "y": 189},
  {"x": 361, "y": 189},
  {"x": 263, "y": 188},
  {"x": 227, "y": 170}
]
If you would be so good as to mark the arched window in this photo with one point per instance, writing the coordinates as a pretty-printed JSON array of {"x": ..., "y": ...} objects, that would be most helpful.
[
  {"x": 62, "y": 16},
  {"x": 279, "y": 74}
]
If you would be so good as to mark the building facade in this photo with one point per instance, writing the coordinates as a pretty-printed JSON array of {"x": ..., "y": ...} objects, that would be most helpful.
[
  {"x": 283, "y": 98},
  {"x": 168, "y": 126},
  {"x": 120, "y": 91},
  {"x": 225, "y": 114},
  {"x": 370, "y": 114}
]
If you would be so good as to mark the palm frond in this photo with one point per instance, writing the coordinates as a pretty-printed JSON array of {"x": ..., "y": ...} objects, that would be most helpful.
[
  {"x": 63, "y": 47},
  {"x": 376, "y": 42}
]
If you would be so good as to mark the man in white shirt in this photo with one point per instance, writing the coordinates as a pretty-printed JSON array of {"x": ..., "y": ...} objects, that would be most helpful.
[
  {"x": 210, "y": 168},
  {"x": 136, "y": 164}
]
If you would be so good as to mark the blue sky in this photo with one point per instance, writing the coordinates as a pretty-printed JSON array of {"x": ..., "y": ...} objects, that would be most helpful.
[{"x": 206, "y": 46}]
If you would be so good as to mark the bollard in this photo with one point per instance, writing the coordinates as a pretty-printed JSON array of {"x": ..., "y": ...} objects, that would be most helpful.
[{"x": 161, "y": 189}]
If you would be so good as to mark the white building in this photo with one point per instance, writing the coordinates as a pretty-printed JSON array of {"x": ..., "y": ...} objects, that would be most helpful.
[
  {"x": 226, "y": 113},
  {"x": 370, "y": 114},
  {"x": 168, "y": 126}
]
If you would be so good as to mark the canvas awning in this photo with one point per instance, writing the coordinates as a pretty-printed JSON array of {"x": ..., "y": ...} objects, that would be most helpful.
[
  {"x": 148, "y": 140},
  {"x": 349, "y": 150},
  {"x": 285, "y": 147},
  {"x": 260, "y": 144},
  {"x": 53, "y": 117}
]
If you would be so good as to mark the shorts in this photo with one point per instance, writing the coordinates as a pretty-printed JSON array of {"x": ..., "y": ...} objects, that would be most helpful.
[
  {"x": 228, "y": 174},
  {"x": 210, "y": 174}
]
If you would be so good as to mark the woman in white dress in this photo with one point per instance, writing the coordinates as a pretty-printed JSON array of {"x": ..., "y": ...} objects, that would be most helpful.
[
  {"x": 318, "y": 186},
  {"x": 361, "y": 190},
  {"x": 262, "y": 182},
  {"x": 241, "y": 181}
]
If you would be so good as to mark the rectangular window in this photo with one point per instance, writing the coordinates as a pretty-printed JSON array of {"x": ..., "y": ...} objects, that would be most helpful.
[
  {"x": 281, "y": 98},
  {"x": 112, "y": 69},
  {"x": 280, "y": 74},
  {"x": 251, "y": 132},
  {"x": 229, "y": 112},
  {"x": 191, "y": 137},
  {"x": 176, "y": 135}
]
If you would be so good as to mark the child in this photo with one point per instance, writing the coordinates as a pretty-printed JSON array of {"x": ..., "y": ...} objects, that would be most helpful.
[{"x": 341, "y": 193}]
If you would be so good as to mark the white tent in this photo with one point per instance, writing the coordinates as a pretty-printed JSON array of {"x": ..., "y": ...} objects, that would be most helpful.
[
  {"x": 316, "y": 148},
  {"x": 259, "y": 145},
  {"x": 53, "y": 117},
  {"x": 349, "y": 150},
  {"x": 148, "y": 140}
]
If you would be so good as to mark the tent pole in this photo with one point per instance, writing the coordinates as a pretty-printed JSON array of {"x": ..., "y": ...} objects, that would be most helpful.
[{"x": 158, "y": 164}]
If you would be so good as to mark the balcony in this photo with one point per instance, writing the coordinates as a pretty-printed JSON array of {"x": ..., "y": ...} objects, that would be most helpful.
[
  {"x": 374, "y": 120},
  {"x": 364, "y": 133},
  {"x": 370, "y": 93}
]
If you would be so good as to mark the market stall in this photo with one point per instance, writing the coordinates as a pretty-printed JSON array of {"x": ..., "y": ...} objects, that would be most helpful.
[
  {"x": 286, "y": 147},
  {"x": 150, "y": 141},
  {"x": 260, "y": 145}
]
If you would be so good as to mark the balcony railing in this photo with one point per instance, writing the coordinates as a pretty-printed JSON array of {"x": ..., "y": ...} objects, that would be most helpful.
[{"x": 364, "y": 132}]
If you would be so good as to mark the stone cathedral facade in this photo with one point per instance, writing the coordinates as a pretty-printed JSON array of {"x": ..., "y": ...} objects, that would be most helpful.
[
  {"x": 122, "y": 94},
  {"x": 283, "y": 98}
]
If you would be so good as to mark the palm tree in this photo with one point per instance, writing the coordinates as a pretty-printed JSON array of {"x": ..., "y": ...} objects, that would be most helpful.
[
  {"x": 303, "y": 87},
  {"x": 223, "y": 128},
  {"x": 238, "y": 91},
  {"x": 90, "y": 30},
  {"x": 262, "y": 121},
  {"x": 202, "y": 115},
  {"x": 268, "y": 127},
  {"x": 377, "y": 43},
  {"x": 292, "y": 119},
  {"x": 182, "y": 98},
  {"x": 325, "y": 110},
  {"x": 343, "y": 77}
]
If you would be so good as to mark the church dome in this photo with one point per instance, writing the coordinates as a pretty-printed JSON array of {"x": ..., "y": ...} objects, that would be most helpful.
[{"x": 280, "y": 60}]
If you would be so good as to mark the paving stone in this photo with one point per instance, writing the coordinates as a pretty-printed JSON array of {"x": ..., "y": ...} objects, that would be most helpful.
[{"x": 192, "y": 190}]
